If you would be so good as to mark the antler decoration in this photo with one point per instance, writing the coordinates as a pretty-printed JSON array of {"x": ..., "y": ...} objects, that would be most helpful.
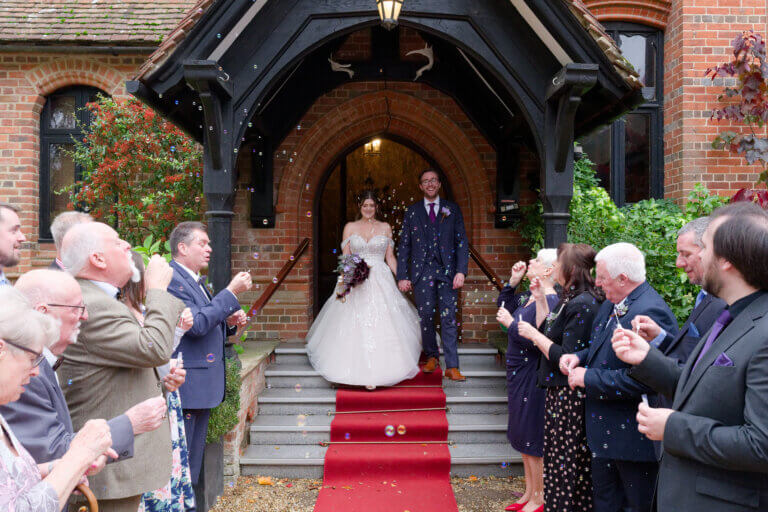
[
  {"x": 429, "y": 54},
  {"x": 344, "y": 68}
]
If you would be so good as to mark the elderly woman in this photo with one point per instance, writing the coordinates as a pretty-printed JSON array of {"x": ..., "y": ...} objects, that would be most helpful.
[
  {"x": 24, "y": 485},
  {"x": 178, "y": 493},
  {"x": 525, "y": 430},
  {"x": 566, "y": 329}
]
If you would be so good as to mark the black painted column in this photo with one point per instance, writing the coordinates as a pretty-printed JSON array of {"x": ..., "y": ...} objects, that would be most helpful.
[
  {"x": 219, "y": 182},
  {"x": 563, "y": 99}
]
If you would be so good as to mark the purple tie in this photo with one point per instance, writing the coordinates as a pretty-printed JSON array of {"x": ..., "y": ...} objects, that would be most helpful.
[
  {"x": 432, "y": 215},
  {"x": 723, "y": 320}
]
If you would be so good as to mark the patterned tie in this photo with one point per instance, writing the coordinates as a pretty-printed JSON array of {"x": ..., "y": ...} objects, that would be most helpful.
[
  {"x": 201, "y": 282},
  {"x": 723, "y": 320},
  {"x": 432, "y": 215}
]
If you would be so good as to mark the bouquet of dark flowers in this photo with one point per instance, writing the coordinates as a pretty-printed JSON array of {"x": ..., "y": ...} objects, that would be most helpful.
[{"x": 352, "y": 270}]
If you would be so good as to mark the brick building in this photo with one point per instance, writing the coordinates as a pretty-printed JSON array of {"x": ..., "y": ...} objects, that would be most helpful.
[{"x": 55, "y": 55}]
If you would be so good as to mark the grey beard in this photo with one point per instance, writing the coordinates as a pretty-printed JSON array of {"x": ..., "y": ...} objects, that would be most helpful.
[{"x": 135, "y": 273}]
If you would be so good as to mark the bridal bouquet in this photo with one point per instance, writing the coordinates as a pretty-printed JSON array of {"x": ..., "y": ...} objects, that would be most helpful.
[{"x": 352, "y": 270}]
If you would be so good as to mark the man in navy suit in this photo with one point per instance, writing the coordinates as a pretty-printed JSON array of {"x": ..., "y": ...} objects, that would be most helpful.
[
  {"x": 40, "y": 417},
  {"x": 215, "y": 318},
  {"x": 432, "y": 259},
  {"x": 624, "y": 463}
]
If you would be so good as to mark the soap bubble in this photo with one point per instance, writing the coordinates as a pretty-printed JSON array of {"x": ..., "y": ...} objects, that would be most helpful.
[
  {"x": 401, "y": 430},
  {"x": 389, "y": 431}
]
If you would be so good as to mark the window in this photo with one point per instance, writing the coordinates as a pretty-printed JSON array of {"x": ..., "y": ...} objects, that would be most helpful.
[
  {"x": 629, "y": 153},
  {"x": 63, "y": 118}
]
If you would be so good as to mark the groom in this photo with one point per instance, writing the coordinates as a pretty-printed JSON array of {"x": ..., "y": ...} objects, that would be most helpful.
[{"x": 432, "y": 258}]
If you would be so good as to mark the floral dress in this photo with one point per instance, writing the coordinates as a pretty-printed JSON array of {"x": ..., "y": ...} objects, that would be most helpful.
[
  {"x": 177, "y": 495},
  {"x": 21, "y": 487}
]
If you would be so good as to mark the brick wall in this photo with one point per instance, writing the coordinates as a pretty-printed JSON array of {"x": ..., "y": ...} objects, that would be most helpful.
[
  {"x": 25, "y": 80},
  {"x": 343, "y": 118}
]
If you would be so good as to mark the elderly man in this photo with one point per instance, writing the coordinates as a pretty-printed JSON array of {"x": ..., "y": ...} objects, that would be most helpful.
[
  {"x": 40, "y": 417},
  {"x": 624, "y": 464},
  {"x": 59, "y": 227},
  {"x": 715, "y": 436},
  {"x": 112, "y": 366},
  {"x": 215, "y": 318},
  {"x": 11, "y": 238}
]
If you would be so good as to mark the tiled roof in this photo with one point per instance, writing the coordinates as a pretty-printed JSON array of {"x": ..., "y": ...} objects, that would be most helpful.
[
  {"x": 117, "y": 23},
  {"x": 175, "y": 37},
  {"x": 606, "y": 43},
  {"x": 577, "y": 7}
]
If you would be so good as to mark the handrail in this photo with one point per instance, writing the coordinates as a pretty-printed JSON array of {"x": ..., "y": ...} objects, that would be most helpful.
[
  {"x": 259, "y": 304},
  {"x": 487, "y": 270}
]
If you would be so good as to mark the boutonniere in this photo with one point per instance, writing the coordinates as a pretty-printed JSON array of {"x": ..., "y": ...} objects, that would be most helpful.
[
  {"x": 620, "y": 309},
  {"x": 554, "y": 314},
  {"x": 445, "y": 211},
  {"x": 523, "y": 299}
]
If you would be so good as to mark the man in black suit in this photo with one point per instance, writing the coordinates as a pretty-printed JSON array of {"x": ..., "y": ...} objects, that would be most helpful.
[
  {"x": 59, "y": 227},
  {"x": 705, "y": 311},
  {"x": 715, "y": 436}
]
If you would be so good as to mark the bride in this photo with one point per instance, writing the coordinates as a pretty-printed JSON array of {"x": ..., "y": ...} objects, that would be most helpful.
[{"x": 373, "y": 338}]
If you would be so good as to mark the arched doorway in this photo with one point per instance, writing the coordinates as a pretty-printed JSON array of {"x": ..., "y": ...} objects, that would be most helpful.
[{"x": 389, "y": 166}]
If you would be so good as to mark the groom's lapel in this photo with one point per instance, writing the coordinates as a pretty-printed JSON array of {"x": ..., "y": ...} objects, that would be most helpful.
[{"x": 422, "y": 213}]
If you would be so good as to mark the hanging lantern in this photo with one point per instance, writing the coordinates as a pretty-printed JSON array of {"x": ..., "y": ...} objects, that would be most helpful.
[{"x": 389, "y": 12}]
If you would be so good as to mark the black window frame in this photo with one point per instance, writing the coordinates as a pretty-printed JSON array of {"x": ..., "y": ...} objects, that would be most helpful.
[
  {"x": 83, "y": 94},
  {"x": 653, "y": 107}
]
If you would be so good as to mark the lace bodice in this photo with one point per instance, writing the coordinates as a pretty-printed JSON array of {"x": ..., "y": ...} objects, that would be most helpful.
[{"x": 372, "y": 251}]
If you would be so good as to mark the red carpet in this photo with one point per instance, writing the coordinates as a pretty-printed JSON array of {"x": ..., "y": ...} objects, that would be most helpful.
[{"x": 389, "y": 477}]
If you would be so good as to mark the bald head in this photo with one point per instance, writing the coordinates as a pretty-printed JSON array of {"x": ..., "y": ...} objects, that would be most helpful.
[
  {"x": 43, "y": 286},
  {"x": 56, "y": 294},
  {"x": 95, "y": 251},
  {"x": 63, "y": 223}
]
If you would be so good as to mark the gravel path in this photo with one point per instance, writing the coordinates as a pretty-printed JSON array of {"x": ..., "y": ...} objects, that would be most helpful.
[{"x": 488, "y": 494}]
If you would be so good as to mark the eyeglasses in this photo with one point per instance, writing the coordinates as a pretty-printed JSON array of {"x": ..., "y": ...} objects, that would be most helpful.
[
  {"x": 431, "y": 181},
  {"x": 39, "y": 356},
  {"x": 81, "y": 307}
]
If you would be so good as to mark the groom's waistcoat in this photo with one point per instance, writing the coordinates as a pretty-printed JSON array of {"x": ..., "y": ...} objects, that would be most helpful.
[{"x": 439, "y": 247}]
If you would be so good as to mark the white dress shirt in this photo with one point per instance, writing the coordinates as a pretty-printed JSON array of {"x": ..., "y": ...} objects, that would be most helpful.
[{"x": 437, "y": 205}]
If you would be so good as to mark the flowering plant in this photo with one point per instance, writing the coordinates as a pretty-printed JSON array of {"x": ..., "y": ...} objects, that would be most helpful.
[
  {"x": 445, "y": 211},
  {"x": 352, "y": 270}
]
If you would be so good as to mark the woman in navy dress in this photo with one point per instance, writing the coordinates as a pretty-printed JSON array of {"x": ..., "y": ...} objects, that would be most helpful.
[{"x": 525, "y": 429}]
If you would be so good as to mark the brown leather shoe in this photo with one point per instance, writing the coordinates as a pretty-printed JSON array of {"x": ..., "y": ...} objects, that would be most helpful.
[
  {"x": 455, "y": 374},
  {"x": 433, "y": 364}
]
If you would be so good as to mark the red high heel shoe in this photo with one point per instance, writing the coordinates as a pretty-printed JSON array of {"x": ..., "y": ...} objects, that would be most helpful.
[
  {"x": 540, "y": 509},
  {"x": 516, "y": 506}
]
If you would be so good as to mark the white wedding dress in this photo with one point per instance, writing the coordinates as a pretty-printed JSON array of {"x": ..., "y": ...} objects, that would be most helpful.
[{"x": 373, "y": 338}]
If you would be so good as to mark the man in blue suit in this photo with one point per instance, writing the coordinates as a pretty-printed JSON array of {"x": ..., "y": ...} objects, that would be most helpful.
[
  {"x": 624, "y": 464},
  {"x": 40, "y": 417},
  {"x": 215, "y": 318},
  {"x": 432, "y": 259}
]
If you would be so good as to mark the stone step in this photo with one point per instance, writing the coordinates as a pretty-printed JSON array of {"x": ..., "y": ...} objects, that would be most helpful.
[
  {"x": 312, "y": 429},
  {"x": 295, "y": 401},
  {"x": 306, "y": 461},
  {"x": 302, "y": 375},
  {"x": 293, "y": 352}
]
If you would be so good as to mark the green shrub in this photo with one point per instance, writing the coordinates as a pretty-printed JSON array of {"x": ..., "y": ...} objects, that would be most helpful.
[
  {"x": 224, "y": 416},
  {"x": 651, "y": 225}
]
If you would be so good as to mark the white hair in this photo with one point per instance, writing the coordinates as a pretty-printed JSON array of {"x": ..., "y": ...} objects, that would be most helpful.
[
  {"x": 63, "y": 222},
  {"x": 547, "y": 257},
  {"x": 22, "y": 325},
  {"x": 79, "y": 243},
  {"x": 623, "y": 258}
]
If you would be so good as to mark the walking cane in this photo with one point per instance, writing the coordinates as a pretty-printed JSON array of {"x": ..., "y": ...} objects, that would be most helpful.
[{"x": 93, "y": 505}]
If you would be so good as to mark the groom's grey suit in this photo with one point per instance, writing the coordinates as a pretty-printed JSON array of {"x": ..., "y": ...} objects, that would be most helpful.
[{"x": 430, "y": 254}]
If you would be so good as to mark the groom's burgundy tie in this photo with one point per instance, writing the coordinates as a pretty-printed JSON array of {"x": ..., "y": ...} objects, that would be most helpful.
[{"x": 432, "y": 215}]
